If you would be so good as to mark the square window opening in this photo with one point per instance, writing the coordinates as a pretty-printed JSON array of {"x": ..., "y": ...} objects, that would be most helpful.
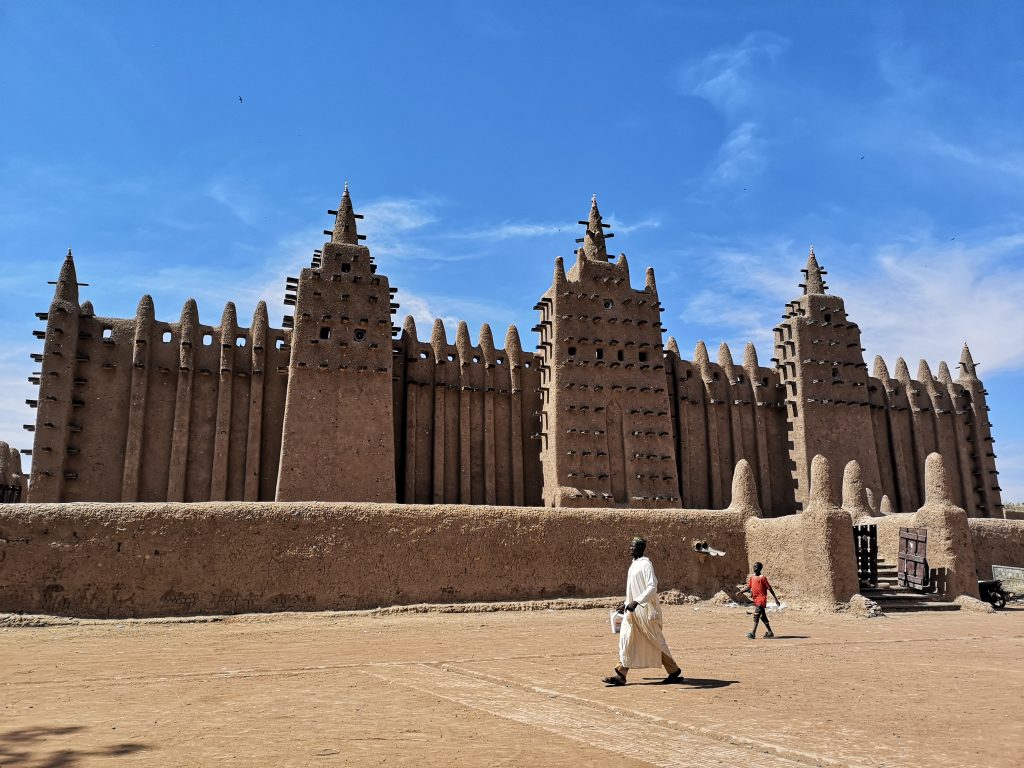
[
  {"x": 167, "y": 337},
  {"x": 346, "y": 267},
  {"x": 571, "y": 351},
  {"x": 643, "y": 357}
]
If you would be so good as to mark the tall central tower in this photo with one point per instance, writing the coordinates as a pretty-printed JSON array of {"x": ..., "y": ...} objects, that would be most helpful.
[
  {"x": 338, "y": 441},
  {"x": 821, "y": 365},
  {"x": 606, "y": 430}
]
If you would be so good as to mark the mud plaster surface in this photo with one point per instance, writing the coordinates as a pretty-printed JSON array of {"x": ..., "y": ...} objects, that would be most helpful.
[{"x": 510, "y": 689}]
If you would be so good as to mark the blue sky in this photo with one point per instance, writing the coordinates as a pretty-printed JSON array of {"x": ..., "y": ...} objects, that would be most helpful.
[{"x": 721, "y": 140}]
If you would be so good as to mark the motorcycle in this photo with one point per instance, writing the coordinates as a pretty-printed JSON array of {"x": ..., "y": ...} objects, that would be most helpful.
[{"x": 992, "y": 592}]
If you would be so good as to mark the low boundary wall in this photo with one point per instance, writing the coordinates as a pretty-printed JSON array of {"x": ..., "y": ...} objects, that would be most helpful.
[
  {"x": 164, "y": 559},
  {"x": 170, "y": 559}
]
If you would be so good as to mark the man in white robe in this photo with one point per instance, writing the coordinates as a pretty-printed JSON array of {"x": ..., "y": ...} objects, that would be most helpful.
[{"x": 641, "y": 643}]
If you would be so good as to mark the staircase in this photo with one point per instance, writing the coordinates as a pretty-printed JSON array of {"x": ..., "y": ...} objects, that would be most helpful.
[{"x": 891, "y": 597}]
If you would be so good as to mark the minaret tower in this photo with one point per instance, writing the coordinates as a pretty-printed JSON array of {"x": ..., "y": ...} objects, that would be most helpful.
[
  {"x": 54, "y": 419},
  {"x": 821, "y": 363},
  {"x": 338, "y": 440},
  {"x": 606, "y": 431},
  {"x": 987, "y": 501}
]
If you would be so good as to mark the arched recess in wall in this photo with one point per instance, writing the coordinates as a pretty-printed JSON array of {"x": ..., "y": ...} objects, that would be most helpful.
[{"x": 616, "y": 451}]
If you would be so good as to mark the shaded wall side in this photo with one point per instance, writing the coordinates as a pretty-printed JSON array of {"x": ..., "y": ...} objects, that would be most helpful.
[{"x": 103, "y": 375}]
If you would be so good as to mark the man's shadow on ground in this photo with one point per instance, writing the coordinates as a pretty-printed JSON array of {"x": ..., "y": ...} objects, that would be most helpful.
[{"x": 691, "y": 682}]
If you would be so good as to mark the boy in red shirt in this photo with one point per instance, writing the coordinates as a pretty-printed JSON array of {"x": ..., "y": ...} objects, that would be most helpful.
[{"x": 758, "y": 588}]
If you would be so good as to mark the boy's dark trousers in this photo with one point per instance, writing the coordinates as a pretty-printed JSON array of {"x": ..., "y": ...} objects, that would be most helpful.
[{"x": 761, "y": 614}]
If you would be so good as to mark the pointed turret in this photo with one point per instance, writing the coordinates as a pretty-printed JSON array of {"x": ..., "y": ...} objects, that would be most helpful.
[
  {"x": 936, "y": 487},
  {"x": 672, "y": 346},
  {"x": 813, "y": 281},
  {"x": 623, "y": 265},
  {"x": 559, "y": 271},
  {"x": 821, "y": 482},
  {"x": 750, "y": 363},
  {"x": 260, "y": 325},
  {"x": 702, "y": 361},
  {"x": 886, "y": 506},
  {"x": 924, "y": 372},
  {"x": 228, "y": 334},
  {"x": 594, "y": 247},
  {"x": 854, "y": 497},
  {"x": 744, "y": 490},
  {"x": 145, "y": 314},
  {"x": 881, "y": 370},
  {"x": 944, "y": 375},
  {"x": 513, "y": 347},
  {"x": 87, "y": 310},
  {"x": 968, "y": 369},
  {"x": 650, "y": 286},
  {"x": 463, "y": 344},
  {"x": 725, "y": 360},
  {"x": 345, "y": 221},
  {"x": 409, "y": 329},
  {"x": 187, "y": 329},
  {"x": 902, "y": 372},
  {"x": 439, "y": 340},
  {"x": 67, "y": 281},
  {"x": 487, "y": 344},
  {"x": 5, "y": 464}
]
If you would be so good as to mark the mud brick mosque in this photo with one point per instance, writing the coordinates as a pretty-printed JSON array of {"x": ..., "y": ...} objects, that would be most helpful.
[{"x": 340, "y": 405}]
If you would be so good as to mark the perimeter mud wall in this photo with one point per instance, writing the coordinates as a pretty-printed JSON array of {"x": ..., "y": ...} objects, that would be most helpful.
[
  {"x": 996, "y": 542},
  {"x": 137, "y": 560}
]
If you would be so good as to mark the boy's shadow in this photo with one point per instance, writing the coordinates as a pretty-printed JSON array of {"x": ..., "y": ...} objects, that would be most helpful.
[{"x": 692, "y": 682}]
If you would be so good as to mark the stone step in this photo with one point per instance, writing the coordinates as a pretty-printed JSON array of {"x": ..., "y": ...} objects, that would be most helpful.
[{"x": 897, "y": 605}]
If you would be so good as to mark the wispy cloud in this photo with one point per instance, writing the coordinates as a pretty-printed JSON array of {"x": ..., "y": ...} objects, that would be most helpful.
[
  {"x": 929, "y": 297},
  {"x": 510, "y": 229},
  {"x": 625, "y": 229},
  {"x": 237, "y": 199},
  {"x": 727, "y": 76},
  {"x": 997, "y": 161},
  {"x": 740, "y": 157},
  {"x": 918, "y": 298}
]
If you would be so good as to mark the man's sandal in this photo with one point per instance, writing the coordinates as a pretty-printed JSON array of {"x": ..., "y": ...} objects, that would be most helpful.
[
  {"x": 674, "y": 677},
  {"x": 615, "y": 679}
]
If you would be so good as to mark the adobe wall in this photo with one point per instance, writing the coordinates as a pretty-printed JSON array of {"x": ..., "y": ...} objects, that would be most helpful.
[
  {"x": 723, "y": 413},
  {"x": 466, "y": 419},
  {"x": 161, "y": 411},
  {"x": 118, "y": 560},
  {"x": 996, "y": 542}
]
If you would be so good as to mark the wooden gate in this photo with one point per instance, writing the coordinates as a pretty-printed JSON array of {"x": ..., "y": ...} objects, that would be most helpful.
[
  {"x": 865, "y": 544},
  {"x": 913, "y": 559}
]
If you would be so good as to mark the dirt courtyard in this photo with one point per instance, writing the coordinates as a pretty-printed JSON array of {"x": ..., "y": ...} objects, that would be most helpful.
[{"x": 513, "y": 688}]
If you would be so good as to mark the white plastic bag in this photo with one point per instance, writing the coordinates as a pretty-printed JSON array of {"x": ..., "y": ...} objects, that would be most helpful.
[{"x": 615, "y": 617}]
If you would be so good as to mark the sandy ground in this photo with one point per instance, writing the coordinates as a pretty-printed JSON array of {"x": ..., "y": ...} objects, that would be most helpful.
[{"x": 514, "y": 688}]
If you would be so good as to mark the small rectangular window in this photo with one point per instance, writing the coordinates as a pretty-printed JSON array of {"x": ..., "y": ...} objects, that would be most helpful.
[
  {"x": 599, "y": 353},
  {"x": 643, "y": 357},
  {"x": 571, "y": 351},
  {"x": 325, "y": 332},
  {"x": 346, "y": 267}
]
